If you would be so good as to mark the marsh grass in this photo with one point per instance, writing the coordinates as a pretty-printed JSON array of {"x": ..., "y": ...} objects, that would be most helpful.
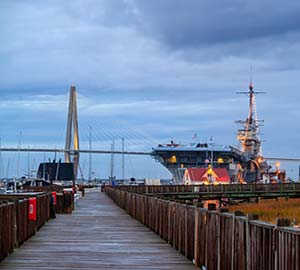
[{"x": 270, "y": 210}]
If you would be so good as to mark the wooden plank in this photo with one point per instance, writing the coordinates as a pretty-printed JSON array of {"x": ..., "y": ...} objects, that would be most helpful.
[{"x": 98, "y": 235}]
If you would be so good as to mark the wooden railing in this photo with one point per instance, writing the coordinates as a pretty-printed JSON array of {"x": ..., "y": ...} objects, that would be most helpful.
[
  {"x": 206, "y": 192},
  {"x": 212, "y": 239},
  {"x": 15, "y": 227},
  {"x": 64, "y": 203},
  {"x": 295, "y": 187},
  {"x": 65, "y": 200}
]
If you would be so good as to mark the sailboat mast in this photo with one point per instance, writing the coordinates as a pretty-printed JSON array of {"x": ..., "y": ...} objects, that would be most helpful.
[
  {"x": 90, "y": 155},
  {"x": 112, "y": 160},
  {"x": 123, "y": 160}
]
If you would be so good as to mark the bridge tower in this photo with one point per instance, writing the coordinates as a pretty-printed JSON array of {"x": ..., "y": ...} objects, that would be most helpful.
[{"x": 72, "y": 125}]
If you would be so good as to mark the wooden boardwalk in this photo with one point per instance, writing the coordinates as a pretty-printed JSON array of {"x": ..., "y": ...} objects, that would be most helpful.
[{"x": 98, "y": 235}]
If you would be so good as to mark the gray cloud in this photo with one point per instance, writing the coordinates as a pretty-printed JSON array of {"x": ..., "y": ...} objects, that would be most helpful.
[
  {"x": 129, "y": 44},
  {"x": 206, "y": 22},
  {"x": 166, "y": 68}
]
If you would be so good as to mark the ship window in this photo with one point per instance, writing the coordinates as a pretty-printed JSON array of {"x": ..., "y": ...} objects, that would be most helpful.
[
  {"x": 172, "y": 159},
  {"x": 220, "y": 160}
]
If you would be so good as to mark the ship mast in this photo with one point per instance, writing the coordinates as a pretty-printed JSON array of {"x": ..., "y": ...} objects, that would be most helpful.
[{"x": 249, "y": 134}]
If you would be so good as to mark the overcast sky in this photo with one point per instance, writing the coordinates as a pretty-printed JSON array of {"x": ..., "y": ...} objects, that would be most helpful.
[{"x": 149, "y": 71}]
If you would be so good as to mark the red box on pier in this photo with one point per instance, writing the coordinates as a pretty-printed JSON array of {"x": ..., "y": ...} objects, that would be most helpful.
[
  {"x": 54, "y": 197},
  {"x": 32, "y": 209}
]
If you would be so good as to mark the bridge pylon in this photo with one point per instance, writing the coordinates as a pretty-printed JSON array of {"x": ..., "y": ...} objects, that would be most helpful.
[{"x": 72, "y": 125}]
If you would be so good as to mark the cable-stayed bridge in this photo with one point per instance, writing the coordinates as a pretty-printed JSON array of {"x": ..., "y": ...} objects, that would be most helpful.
[
  {"x": 73, "y": 152},
  {"x": 71, "y": 149}
]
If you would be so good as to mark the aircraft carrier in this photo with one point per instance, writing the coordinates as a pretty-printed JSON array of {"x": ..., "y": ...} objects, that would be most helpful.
[{"x": 244, "y": 165}]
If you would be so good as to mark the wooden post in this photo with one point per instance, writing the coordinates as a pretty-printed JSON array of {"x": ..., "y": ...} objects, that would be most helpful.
[
  {"x": 297, "y": 257},
  {"x": 196, "y": 245},
  {"x": 199, "y": 205},
  {"x": 169, "y": 221},
  {"x": 283, "y": 222},
  {"x": 174, "y": 223},
  {"x": 179, "y": 228},
  {"x": 239, "y": 213},
  {"x": 15, "y": 227},
  {"x": 186, "y": 231},
  {"x": 232, "y": 242},
  {"x": 219, "y": 242},
  {"x": 211, "y": 207},
  {"x": 248, "y": 263},
  {"x": 206, "y": 239}
]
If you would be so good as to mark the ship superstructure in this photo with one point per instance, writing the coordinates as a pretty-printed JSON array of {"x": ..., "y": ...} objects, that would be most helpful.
[
  {"x": 254, "y": 166},
  {"x": 249, "y": 134}
]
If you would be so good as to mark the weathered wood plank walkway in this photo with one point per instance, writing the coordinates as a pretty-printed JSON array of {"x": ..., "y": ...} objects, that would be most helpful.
[{"x": 98, "y": 235}]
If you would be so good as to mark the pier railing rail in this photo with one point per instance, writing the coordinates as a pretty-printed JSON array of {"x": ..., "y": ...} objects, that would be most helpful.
[
  {"x": 213, "y": 239},
  {"x": 15, "y": 226},
  {"x": 64, "y": 200},
  {"x": 232, "y": 188}
]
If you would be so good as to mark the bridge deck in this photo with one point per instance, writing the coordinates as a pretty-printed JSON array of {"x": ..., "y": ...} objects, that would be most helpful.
[{"x": 98, "y": 235}]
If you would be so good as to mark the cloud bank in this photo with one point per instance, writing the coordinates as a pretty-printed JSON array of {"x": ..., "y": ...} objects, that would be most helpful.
[{"x": 165, "y": 68}]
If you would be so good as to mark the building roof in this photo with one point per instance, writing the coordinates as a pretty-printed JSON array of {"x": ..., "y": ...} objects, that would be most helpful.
[
  {"x": 200, "y": 174},
  {"x": 196, "y": 174}
]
